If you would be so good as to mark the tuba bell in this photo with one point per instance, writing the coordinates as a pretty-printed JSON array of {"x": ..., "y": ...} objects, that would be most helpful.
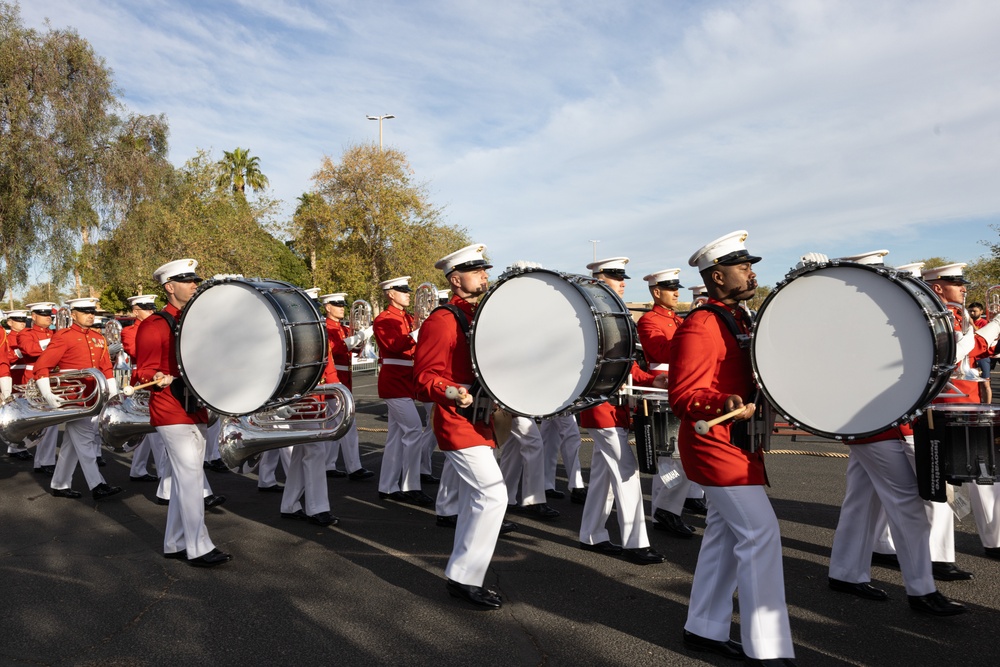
[
  {"x": 361, "y": 318},
  {"x": 125, "y": 420},
  {"x": 26, "y": 414},
  {"x": 425, "y": 299},
  {"x": 311, "y": 419},
  {"x": 63, "y": 319}
]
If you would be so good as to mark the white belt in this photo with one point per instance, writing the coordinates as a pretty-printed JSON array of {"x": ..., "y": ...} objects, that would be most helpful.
[
  {"x": 20, "y": 367},
  {"x": 659, "y": 367},
  {"x": 397, "y": 362},
  {"x": 342, "y": 368},
  {"x": 29, "y": 367}
]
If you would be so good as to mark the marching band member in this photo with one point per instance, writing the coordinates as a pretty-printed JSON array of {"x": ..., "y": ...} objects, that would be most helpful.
[
  {"x": 656, "y": 328},
  {"x": 561, "y": 435},
  {"x": 881, "y": 478},
  {"x": 522, "y": 464},
  {"x": 32, "y": 342},
  {"x": 45, "y": 444},
  {"x": 342, "y": 344},
  {"x": 698, "y": 296},
  {"x": 614, "y": 471},
  {"x": 77, "y": 347},
  {"x": 710, "y": 374},
  {"x": 428, "y": 443},
  {"x": 443, "y": 363},
  {"x": 400, "y": 475},
  {"x": 180, "y": 424},
  {"x": 141, "y": 307}
]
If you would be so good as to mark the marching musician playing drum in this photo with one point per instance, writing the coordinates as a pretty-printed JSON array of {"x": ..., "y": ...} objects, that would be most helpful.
[
  {"x": 710, "y": 374},
  {"x": 181, "y": 425},
  {"x": 141, "y": 307}
]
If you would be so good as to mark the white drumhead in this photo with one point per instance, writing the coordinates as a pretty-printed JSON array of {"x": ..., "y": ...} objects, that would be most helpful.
[
  {"x": 535, "y": 343},
  {"x": 232, "y": 348},
  {"x": 843, "y": 350}
]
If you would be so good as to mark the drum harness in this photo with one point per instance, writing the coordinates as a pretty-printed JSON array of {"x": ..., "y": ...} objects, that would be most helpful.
[
  {"x": 178, "y": 387},
  {"x": 482, "y": 405}
]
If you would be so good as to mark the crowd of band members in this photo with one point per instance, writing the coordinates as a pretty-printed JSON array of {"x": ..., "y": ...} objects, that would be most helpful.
[{"x": 701, "y": 361}]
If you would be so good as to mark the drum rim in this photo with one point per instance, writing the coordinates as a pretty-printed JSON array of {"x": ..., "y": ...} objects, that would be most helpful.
[
  {"x": 915, "y": 410},
  {"x": 286, "y": 342},
  {"x": 583, "y": 402}
]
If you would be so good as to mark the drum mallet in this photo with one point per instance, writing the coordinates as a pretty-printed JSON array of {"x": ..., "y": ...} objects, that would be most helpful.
[
  {"x": 128, "y": 389},
  {"x": 701, "y": 427},
  {"x": 454, "y": 393}
]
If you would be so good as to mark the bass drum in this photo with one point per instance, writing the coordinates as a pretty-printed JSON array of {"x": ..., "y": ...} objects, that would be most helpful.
[
  {"x": 546, "y": 343},
  {"x": 247, "y": 345},
  {"x": 847, "y": 350}
]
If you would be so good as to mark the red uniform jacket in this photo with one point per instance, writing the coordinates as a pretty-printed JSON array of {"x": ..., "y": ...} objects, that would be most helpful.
[
  {"x": 706, "y": 367},
  {"x": 5, "y": 355},
  {"x": 395, "y": 353},
  {"x": 969, "y": 387},
  {"x": 128, "y": 339},
  {"x": 336, "y": 333},
  {"x": 443, "y": 360},
  {"x": 32, "y": 342},
  {"x": 156, "y": 352},
  {"x": 656, "y": 329},
  {"x": 75, "y": 348}
]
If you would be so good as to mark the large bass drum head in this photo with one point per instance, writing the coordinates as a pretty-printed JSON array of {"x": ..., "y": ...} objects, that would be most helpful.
[
  {"x": 535, "y": 343},
  {"x": 844, "y": 351},
  {"x": 232, "y": 348}
]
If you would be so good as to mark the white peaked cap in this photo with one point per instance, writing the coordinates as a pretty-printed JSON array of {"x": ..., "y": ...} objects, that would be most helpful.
[
  {"x": 142, "y": 299},
  {"x": 312, "y": 293},
  {"x": 870, "y": 257},
  {"x": 613, "y": 266},
  {"x": 950, "y": 272},
  {"x": 17, "y": 313},
  {"x": 336, "y": 297},
  {"x": 668, "y": 278},
  {"x": 726, "y": 250},
  {"x": 183, "y": 269},
  {"x": 468, "y": 258},
  {"x": 443, "y": 294},
  {"x": 41, "y": 306},
  {"x": 912, "y": 268},
  {"x": 402, "y": 281},
  {"x": 86, "y": 302}
]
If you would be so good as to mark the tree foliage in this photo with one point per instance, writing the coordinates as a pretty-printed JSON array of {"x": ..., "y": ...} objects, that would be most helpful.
[
  {"x": 239, "y": 170},
  {"x": 367, "y": 221}
]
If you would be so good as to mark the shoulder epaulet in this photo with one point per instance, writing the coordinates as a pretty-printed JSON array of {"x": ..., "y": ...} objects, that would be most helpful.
[
  {"x": 727, "y": 318},
  {"x": 463, "y": 320}
]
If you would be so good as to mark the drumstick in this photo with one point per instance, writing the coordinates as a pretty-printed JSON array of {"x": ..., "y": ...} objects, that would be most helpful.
[
  {"x": 128, "y": 389},
  {"x": 454, "y": 392},
  {"x": 701, "y": 427}
]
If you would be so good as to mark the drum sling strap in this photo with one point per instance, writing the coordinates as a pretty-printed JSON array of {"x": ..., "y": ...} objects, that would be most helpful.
[
  {"x": 179, "y": 387},
  {"x": 751, "y": 434},
  {"x": 482, "y": 405}
]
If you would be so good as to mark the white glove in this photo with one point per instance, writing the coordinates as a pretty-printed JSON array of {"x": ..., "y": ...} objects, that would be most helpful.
[
  {"x": 367, "y": 332},
  {"x": 6, "y": 387},
  {"x": 990, "y": 331},
  {"x": 963, "y": 345},
  {"x": 112, "y": 387},
  {"x": 46, "y": 391},
  {"x": 414, "y": 334},
  {"x": 812, "y": 258}
]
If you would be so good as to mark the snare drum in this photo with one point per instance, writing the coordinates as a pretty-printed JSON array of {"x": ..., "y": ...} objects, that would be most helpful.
[
  {"x": 955, "y": 443},
  {"x": 656, "y": 428},
  {"x": 847, "y": 350},
  {"x": 247, "y": 345},
  {"x": 546, "y": 343}
]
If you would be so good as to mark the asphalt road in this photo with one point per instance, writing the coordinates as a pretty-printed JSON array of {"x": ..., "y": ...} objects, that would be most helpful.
[{"x": 84, "y": 582}]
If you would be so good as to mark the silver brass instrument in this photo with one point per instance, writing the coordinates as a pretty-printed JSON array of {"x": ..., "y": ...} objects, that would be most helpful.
[
  {"x": 25, "y": 414},
  {"x": 112, "y": 331},
  {"x": 63, "y": 319},
  {"x": 361, "y": 318},
  {"x": 125, "y": 420},
  {"x": 311, "y": 419},
  {"x": 425, "y": 299},
  {"x": 992, "y": 301}
]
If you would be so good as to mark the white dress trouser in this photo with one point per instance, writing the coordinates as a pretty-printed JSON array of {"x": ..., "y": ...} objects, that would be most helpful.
[
  {"x": 185, "y": 445},
  {"x": 562, "y": 435},
  {"x": 879, "y": 476},
  {"x": 666, "y": 497},
  {"x": 522, "y": 462},
  {"x": 401, "y": 457},
  {"x": 350, "y": 446},
  {"x": 79, "y": 446},
  {"x": 428, "y": 443},
  {"x": 151, "y": 443},
  {"x": 306, "y": 476},
  {"x": 482, "y": 500},
  {"x": 447, "y": 495},
  {"x": 45, "y": 447},
  {"x": 166, "y": 475},
  {"x": 268, "y": 468},
  {"x": 212, "y": 440},
  {"x": 985, "y": 500},
  {"x": 741, "y": 550},
  {"x": 614, "y": 477}
]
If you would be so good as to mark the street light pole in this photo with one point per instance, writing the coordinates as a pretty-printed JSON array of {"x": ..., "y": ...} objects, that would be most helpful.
[
  {"x": 380, "y": 119},
  {"x": 595, "y": 248}
]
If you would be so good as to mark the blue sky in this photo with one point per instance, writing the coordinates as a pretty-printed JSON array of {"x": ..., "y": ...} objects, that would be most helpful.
[{"x": 649, "y": 125}]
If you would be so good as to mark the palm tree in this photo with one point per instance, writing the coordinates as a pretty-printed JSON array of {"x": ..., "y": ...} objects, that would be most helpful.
[{"x": 237, "y": 169}]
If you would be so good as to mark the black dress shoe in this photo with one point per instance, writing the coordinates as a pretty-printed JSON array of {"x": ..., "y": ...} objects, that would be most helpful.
[
  {"x": 417, "y": 497},
  {"x": 935, "y": 604},
  {"x": 360, "y": 474},
  {"x": 395, "y": 495},
  {"x": 103, "y": 490},
  {"x": 885, "y": 560},
  {"x": 948, "y": 572},
  {"x": 217, "y": 465},
  {"x": 176, "y": 554},
  {"x": 211, "y": 559},
  {"x": 554, "y": 494},
  {"x": 22, "y": 455},
  {"x": 726, "y": 648},
  {"x": 101, "y": 462},
  {"x": 476, "y": 595},
  {"x": 323, "y": 519},
  {"x": 427, "y": 478},
  {"x": 540, "y": 511},
  {"x": 144, "y": 478},
  {"x": 274, "y": 488},
  {"x": 696, "y": 506},
  {"x": 606, "y": 547},
  {"x": 297, "y": 515},
  {"x": 214, "y": 500},
  {"x": 578, "y": 496},
  {"x": 672, "y": 523},
  {"x": 771, "y": 662},
  {"x": 162, "y": 501},
  {"x": 448, "y": 521},
  {"x": 507, "y": 527},
  {"x": 66, "y": 493},
  {"x": 992, "y": 552},
  {"x": 45, "y": 470},
  {"x": 336, "y": 473},
  {"x": 862, "y": 590},
  {"x": 643, "y": 556}
]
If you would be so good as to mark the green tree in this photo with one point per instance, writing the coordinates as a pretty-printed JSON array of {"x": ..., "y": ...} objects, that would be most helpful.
[
  {"x": 377, "y": 224},
  {"x": 239, "y": 170}
]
